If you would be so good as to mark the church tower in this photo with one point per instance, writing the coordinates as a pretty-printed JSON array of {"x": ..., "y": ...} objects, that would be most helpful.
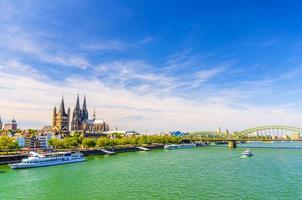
[
  {"x": 94, "y": 116},
  {"x": 54, "y": 117},
  {"x": 76, "y": 122},
  {"x": 84, "y": 110},
  {"x": 61, "y": 119}
]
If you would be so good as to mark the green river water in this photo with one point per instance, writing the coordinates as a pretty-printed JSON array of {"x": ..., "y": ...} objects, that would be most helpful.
[{"x": 198, "y": 173}]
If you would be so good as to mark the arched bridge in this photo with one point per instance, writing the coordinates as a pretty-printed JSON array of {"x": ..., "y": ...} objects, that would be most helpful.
[
  {"x": 260, "y": 133},
  {"x": 272, "y": 130}
]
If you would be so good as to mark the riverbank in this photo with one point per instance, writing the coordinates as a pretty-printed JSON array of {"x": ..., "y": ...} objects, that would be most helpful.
[{"x": 7, "y": 159}]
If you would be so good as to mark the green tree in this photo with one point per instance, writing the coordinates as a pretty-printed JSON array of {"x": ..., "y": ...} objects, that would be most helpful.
[
  {"x": 8, "y": 143},
  {"x": 102, "y": 142},
  {"x": 72, "y": 142},
  {"x": 116, "y": 135},
  {"x": 32, "y": 132},
  {"x": 56, "y": 143},
  {"x": 88, "y": 142}
]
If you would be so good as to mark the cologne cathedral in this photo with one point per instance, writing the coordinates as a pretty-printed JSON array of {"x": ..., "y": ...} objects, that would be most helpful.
[
  {"x": 79, "y": 122},
  {"x": 79, "y": 116}
]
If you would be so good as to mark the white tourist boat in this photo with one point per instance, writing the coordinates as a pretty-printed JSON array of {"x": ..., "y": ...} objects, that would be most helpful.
[
  {"x": 246, "y": 153},
  {"x": 179, "y": 146},
  {"x": 37, "y": 160}
]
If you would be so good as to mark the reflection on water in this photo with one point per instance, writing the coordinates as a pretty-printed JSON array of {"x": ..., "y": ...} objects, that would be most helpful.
[{"x": 278, "y": 145}]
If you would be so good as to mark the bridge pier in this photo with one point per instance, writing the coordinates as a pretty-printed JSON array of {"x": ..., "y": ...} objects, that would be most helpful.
[{"x": 232, "y": 144}]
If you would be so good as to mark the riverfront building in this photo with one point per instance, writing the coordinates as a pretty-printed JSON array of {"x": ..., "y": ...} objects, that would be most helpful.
[
  {"x": 79, "y": 122},
  {"x": 43, "y": 140},
  {"x": 27, "y": 140},
  {"x": 30, "y": 142},
  {"x": 21, "y": 141},
  {"x": 60, "y": 121},
  {"x": 10, "y": 126}
]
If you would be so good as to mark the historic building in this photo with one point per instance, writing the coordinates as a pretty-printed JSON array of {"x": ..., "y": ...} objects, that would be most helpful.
[
  {"x": 60, "y": 122},
  {"x": 93, "y": 125},
  {"x": 10, "y": 126},
  {"x": 79, "y": 116},
  {"x": 81, "y": 122}
]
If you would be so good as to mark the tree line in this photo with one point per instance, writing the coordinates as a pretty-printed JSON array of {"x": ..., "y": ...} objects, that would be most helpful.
[
  {"x": 8, "y": 143},
  {"x": 77, "y": 141}
]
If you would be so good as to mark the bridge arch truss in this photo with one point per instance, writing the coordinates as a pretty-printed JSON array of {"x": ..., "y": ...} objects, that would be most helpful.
[{"x": 270, "y": 130}]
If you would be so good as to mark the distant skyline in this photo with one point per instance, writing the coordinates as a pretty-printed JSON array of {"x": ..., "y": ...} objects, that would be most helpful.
[{"x": 153, "y": 65}]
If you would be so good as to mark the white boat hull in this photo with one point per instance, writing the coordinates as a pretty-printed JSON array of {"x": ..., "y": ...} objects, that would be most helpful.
[
  {"x": 23, "y": 166},
  {"x": 179, "y": 146},
  {"x": 246, "y": 156},
  {"x": 247, "y": 153}
]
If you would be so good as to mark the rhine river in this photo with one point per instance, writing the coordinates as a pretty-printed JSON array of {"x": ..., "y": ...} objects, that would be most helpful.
[{"x": 199, "y": 173}]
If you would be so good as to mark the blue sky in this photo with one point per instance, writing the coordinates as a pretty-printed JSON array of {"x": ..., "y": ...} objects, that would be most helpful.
[{"x": 153, "y": 65}]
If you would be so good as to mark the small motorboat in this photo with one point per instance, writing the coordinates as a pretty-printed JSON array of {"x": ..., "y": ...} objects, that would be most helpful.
[{"x": 246, "y": 153}]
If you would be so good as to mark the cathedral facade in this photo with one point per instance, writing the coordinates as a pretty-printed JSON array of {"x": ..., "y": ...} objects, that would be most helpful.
[
  {"x": 79, "y": 116},
  {"x": 79, "y": 120}
]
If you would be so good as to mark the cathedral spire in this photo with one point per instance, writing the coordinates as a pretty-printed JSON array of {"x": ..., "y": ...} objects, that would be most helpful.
[
  {"x": 84, "y": 110},
  {"x": 62, "y": 107},
  {"x": 84, "y": 104},
  {"x": 78, "y": 103},
  {"x": 94, "y": 116}
]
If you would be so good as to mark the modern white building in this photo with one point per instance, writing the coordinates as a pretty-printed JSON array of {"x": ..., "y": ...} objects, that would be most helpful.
[
  {"x": 131, "y": 133},
  {"x": 43, "y": 140}
]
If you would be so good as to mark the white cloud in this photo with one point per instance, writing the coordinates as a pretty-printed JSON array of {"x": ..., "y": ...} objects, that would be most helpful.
[
  {"x": 264, "y": 43},
  {"x": 270, "y": 42},
  {"x": 67, "y": 60},
  {"x": 31, "y": 99},
  {"x": 146, "y": 40},
  {"x": 108, "y": 45},
  {"x": 20, "y": 41},
  {"x": 114, "y": 45},
  {"x": 145, "y": 78},
  {"x": 14, "y": 66},
  {"x": 205, "y": 75}
]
